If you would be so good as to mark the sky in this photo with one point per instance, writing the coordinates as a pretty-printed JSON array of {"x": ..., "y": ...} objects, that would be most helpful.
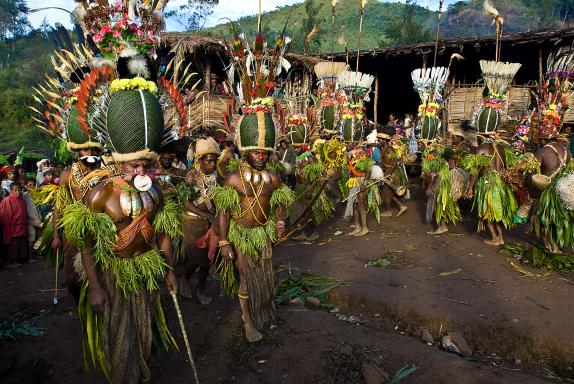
[{"x": 232, "y": 9}]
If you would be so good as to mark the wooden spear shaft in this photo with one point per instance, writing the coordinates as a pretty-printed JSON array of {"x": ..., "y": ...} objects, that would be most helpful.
[
  {"x": 437, "y": 32},
  {"x": 55, "y": 299},
  {"x": 184, "y": 334},
  {"x": 359, "y": 37}
]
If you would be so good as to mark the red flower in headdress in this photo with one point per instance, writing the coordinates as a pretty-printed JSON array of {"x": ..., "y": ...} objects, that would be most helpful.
[{"x": 259, "y": 42}]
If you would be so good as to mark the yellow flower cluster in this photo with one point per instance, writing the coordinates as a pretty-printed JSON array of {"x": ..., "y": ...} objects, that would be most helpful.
[
  {"x": 264, "y": 101},
  {"x": 138, "y": 83}
]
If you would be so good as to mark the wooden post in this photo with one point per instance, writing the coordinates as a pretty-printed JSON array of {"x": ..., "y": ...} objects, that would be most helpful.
[
  {"x": 425, "y": 58},
  {"x": 540, "y": 69},
  {"x": 376, "y": 106},
  {"x": 207, "y": 79}
]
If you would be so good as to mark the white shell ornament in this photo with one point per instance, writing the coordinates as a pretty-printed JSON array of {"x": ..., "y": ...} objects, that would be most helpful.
[
  {"x": 265, "y": 176},
  {"x": 142, "y": 183},
  {"x": 256, "y": 178},
  {"x": 247, "y": 176}
]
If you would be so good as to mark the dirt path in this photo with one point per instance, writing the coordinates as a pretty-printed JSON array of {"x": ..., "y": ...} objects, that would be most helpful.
[{"x": 498, "y": 310}]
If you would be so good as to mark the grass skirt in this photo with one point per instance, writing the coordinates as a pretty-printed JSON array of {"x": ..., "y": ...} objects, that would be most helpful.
[
  {"x": 119, "y": 341},
  {"x": 549, "y": 218},
  {"x": 494, "y": 200}
]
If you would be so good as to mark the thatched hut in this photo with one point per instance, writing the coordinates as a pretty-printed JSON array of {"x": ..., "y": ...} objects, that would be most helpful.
[
  {"x": 209, "y": 59},
  {"x": 393, "y": 65}
]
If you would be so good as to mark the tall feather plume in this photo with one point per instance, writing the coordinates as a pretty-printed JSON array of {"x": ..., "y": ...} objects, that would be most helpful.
[
  {"x": 489, "y": 9},
  {"x": 453, "y": 57},
  {"x": 310, "y": 38}
]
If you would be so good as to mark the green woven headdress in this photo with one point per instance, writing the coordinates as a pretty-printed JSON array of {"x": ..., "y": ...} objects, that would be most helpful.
[
  {"x": 135, "y": 125},
  {"x": 76, "y": 138},
  {"x": 256, "y": 131}
]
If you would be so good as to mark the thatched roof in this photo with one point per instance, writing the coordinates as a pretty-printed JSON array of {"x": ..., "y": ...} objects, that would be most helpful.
[
  {"x": 553, "y": 36},
  {"x": 188, "y": 44}
]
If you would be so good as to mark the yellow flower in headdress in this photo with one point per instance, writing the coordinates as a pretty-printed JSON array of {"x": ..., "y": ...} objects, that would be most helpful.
[{"x": 137, "y": 83}]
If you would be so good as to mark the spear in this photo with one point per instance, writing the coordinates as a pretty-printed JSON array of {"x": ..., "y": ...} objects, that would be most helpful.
[
  {"x": 363, "y": 3},
  {"x": 184, "y": 334},
  {"x": 55, "y": 299},
  {"x": 333, "y": 4},
  {"x": 437, "y": 31}
]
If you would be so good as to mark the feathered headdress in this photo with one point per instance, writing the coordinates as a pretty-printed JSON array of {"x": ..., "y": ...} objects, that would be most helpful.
[{"x": 117, "y": 100}]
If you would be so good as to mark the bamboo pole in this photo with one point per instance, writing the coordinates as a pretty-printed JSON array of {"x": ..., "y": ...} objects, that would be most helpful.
[
  {"x": 376, "y": 106},
  {"x": 55, "y": 299},
  {"x": 184, "y": 334},
  {"x": 540, "y": 67},
  {"x": 259, "y": 18},
  {"x": 437, "y": 32},
  {"x": 362, "y": 15}
]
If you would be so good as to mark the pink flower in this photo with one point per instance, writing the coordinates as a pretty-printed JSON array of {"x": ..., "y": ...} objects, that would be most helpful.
[
  {"x": 105, "y": 29},
  {"x": 117, "y": 33},
  {"x": 118, "y": 6},
  {"x": 98, "y": 37},
  {"x": 123, "y": 24},
  {"x": 139, "y": 32}
]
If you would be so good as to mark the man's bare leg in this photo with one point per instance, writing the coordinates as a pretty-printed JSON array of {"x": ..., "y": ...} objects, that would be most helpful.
[
  {"x": 202, "y": 278},
  {"x": 251, "y": 333},
  {"x": 362, "y": 210},
  {"x": 402, "y": 207},
  {"x": 494, "y": 233},
  {"x": 500, "y": 233},
  {"x": 356, "y": 219}
]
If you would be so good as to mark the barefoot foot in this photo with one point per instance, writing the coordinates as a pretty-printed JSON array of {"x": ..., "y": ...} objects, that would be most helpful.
[
  {"x": 252, "y": 334},
  {"x": 402, "y": 210},
  {"x": 362, "y": 232},
  {"x": 494, "y": 242},
  {"x": 354, "y": 231},
  {"x": 387, "y": 214},
  {"x": 440, "y": 230},
  {"x": 203, "y": 298},
  {"x": 183, "y": 288}
]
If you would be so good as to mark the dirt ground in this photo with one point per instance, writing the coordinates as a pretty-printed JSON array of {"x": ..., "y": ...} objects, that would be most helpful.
[{"x": 518, "y": 327}]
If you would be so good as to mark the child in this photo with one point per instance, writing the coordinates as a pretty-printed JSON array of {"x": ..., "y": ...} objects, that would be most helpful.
[
  {"x": 14, "y": 220},
  {"x": 34, "y": 220}
]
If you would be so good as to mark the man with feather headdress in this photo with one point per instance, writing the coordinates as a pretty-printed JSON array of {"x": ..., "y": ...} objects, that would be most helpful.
[
  {"x": 251, "y": 204},
  {"x": 552, "y": 185},
  {"x": 123, "y": 225}
]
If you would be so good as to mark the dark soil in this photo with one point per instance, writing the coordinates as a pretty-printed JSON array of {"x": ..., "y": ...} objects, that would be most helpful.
[{"x": 518, "y": 327}]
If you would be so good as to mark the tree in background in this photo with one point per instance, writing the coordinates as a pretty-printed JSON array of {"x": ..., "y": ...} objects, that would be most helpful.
[
  {"x": 407, "y": 30},
  {"x": 308, "y": 24},
  {"x": 13, "y": 20},
  {"x": 193, "y": 15}
]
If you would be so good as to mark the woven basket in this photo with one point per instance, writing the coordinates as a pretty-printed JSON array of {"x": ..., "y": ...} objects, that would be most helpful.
[
  {"x": 541, "y": 181},
  {"x": 488, "y": 120},
  {"x": 256, "y": 131},
  {"x": 135, "y": 122}
]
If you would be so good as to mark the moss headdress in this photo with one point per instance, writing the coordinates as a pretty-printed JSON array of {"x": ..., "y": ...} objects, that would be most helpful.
[
  {"x": 117, "y": 96},
  {"x": 256, "y": 131}
]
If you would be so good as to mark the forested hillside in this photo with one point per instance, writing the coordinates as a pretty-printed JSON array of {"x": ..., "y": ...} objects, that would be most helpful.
[{"x": 24, "y": 53}]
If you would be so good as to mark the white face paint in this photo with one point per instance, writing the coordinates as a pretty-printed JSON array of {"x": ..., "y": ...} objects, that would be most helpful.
[{"x": 142, "y": 183}]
